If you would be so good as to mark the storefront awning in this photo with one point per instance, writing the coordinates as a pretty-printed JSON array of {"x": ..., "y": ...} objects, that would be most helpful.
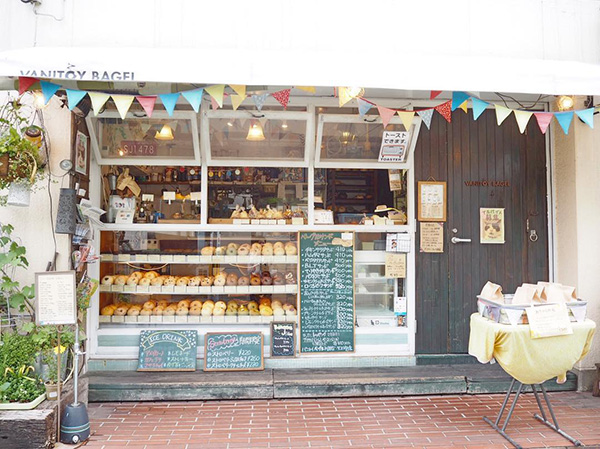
[{"x": 305, "y": 68}]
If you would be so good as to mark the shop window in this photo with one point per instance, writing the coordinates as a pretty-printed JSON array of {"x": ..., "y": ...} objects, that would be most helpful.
[
  {"x": 266, "y": 138},
  {"x": 268, "y": 194},
  {"x": 162, "y": 139}
]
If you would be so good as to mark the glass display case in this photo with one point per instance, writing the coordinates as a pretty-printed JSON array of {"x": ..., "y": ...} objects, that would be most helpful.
[{"x": 197, "y": 277}]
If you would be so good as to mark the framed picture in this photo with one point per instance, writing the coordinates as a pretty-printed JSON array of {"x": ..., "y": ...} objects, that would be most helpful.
[
  {"x": 81, "y": 162},
  {"x": 432, "y": 201}
]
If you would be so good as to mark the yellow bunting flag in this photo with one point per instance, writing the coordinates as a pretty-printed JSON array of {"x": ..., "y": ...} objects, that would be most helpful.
[
  {"x": 239, "y": 89},
  {"x": 522, "y": 119},
  {"x": 98, "y": 99},
  {"x": 236, "y": 101},
  {"x": 407, "y": 118},
  {"x": 216, "y": 92},
  {"x": 123, "y": 103},
  {"x": 344, "y": 95},
  {"x": 463, "y": 106},
  {"x": 501, "y": 113},
  {"x": 310, "y": 89}
]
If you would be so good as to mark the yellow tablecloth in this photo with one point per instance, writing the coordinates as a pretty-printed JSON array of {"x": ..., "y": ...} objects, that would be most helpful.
[{"x": 530, "y": 361}]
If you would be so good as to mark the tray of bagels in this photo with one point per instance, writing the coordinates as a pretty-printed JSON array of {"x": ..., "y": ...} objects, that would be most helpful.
[{"x": 510, "y": 308}]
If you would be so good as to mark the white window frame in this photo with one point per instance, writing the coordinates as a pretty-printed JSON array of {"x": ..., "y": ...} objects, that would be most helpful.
[{"x": 163, "y": 115}]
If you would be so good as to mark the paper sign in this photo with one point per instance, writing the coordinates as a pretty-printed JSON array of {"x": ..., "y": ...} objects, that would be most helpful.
[
  {"x": 147, "y": 197},
  {"x": 432, "y": 238},
  {"x": 395, "y": 265},
  {"x": 491, "y": 225},
  {"x": 169, "y": 196},
  {"x": 395, "y": 177},
  {"x": 549, "y": 320},
  {"x": 431, "y": 201},
  {"x": 124, "y": 216},
  {"x": 400, "y": 305},
  {"x": 397, "y": 243},
  {"x": 323, "y": 217},
  {"x": 195, "y": 196},
  {"x": 394, "y": 146},
  {"x": 55, "y": 298}
]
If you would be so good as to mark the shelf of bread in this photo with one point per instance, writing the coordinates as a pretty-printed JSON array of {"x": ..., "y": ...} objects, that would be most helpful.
[
  {"x": 196, "y": 259},
  {"x": 200, "y": 290},
  {"x": 151, "y": 319}
]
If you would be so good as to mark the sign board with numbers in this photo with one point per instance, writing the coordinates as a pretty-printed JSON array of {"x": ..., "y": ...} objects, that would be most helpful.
[
  {"x": 55, "y": 298},
  {"x": 233, "y": 351},
  {"x": 326, "y": 292},
  {"x": 168, "y": 350},
  {"x": 283, "y": 339}
]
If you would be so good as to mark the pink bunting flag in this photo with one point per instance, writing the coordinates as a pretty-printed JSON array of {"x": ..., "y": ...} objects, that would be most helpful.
[
  {"x": 445, "y": 110},
  {"x": 214, "y": 103},
  {"x": 147, "y": 103},
  {"x": 25, "y": 83},
  {"x": 434, "y": 93},
  {"x": 386, "y": 114},
  {"x": 543, "y": 119},
  {"x": 283, "y": 97}
]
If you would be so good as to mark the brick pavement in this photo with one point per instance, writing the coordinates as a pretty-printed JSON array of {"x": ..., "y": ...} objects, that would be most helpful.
[{"x": 386, "y": 422}]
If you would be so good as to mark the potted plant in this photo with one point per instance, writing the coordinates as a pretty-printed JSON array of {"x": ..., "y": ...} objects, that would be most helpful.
[
  {"x": 21, "y": 162},
  {"x": 46, "y": 340},
  {"x": 12, "y": 257}
]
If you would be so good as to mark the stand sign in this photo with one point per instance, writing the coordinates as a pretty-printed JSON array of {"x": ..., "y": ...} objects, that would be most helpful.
[
  {"x": 168, "y": 350},
  {"x": 55, "y": 298}
]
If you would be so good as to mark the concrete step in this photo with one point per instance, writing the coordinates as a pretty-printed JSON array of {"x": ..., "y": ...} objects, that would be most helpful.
[{"x": 305, "y": 383}]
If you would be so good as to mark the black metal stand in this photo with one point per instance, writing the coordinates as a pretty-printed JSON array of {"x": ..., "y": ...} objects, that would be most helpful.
[{"x": 502, "y": 430}]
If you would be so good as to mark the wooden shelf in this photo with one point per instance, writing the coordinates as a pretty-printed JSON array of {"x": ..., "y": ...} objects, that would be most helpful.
[{"x": 290, "y": 289}]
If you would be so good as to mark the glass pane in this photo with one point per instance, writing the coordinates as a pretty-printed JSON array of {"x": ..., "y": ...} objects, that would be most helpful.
[
  {"x": 353, "y": 141},
  {"x": 261, "y": 139},
  {"x": 147, "y": 138}
]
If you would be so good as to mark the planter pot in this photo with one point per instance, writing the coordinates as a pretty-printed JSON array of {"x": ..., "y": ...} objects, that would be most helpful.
[
  {"x": 23, "y": 405},
  {"x": 19, "y": 194}
]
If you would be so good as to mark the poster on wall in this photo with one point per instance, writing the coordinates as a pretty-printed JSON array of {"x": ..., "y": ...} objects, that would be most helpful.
[
  {"x": 432, "y": 201},
  {"x": 395, "y": 177},
  {"x": 491, "y": 225},
  {"x": 432, "y": 238},
  {"x": 81, "y": 153},
  {"x": 394, "y": 146},
  {"x": 395, "y": 265}
]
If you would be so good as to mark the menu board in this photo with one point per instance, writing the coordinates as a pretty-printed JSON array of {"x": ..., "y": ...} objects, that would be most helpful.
[
  {"x": 283, "y": 339},
  {"x": 55, "y": 298},
  {"x": 326, "y": 292},
  {"x": 168, "y": 350},
  {"x": 233, "y": 351}
]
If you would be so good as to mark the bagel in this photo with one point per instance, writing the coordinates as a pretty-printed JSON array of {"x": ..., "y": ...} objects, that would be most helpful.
[{"x": 108, "y": 280}]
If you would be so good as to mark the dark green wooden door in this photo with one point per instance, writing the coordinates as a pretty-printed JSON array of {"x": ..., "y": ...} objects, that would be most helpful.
[{"x": 485, "y": 165}]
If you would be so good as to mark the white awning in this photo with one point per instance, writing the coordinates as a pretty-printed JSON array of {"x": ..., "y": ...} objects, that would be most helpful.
[{"x": 305, "y": 68}]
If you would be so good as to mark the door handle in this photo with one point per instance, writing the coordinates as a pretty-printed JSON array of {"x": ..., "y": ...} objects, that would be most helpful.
[{"x": 456, "y": 240}]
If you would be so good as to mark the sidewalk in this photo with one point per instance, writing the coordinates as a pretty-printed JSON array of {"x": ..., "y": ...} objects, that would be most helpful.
[{"x": 387, "y": 422}]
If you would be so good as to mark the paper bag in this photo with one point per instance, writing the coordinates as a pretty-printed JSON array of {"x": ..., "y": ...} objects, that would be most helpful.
[
  {"x": 492, "y": 292},
  {"x": 526, "y": 295},
  {"x": 558, "y": 293},
  {"x": 539, "y": 288}
]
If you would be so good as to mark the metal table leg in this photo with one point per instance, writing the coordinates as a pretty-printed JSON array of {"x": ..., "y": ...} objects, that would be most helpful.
[
  {"x": 494, "y": 425},
  {"x": 545, "y": 421}
]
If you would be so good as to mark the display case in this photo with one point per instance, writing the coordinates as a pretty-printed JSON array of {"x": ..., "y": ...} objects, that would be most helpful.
[{"x": 197, "y": 277}]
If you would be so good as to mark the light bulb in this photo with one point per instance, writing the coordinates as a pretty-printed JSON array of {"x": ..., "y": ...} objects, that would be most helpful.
[
  {"x": 255, "y": 132},
  {"x": 229, "y": 124},
  {"x": 166, "y": 133},
  {"x": 565, "y": 102},
  {"x": 284, "y": 125},
  {"x": 39, "y": 102}
]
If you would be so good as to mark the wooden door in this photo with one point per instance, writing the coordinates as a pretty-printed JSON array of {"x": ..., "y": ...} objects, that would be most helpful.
[{"x": 484, "y": 165}]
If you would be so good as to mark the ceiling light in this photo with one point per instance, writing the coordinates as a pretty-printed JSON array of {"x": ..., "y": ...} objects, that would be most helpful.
[
  {"x": 565, "y": 102},
  {"x": 229, "y": 124},
  {"x": 284, "y": 125},
  {"x": 39, "y": 102},
  {"x": 255, "y": 132},
  {"x": 166, "y": 133}
]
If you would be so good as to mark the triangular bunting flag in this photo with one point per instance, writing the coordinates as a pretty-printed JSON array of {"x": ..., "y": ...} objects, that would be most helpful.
[
  {"x": 310, "y": 89},
  {"x": 239, "y": 89},
  {"x": 426, "y": 115},
  {"x": 48, "y": 89},
  {"x": 169, "y": 101},
  {"x": 564, "y": 119},
  {"x": 74, "y": 97},
  {"x": 463, "y": 107},
  {"x": 344, "y": 95},
  {"x": 522, "y": 119},
  {"x": 363, "y": 106},
  {"x": 99, "y": 99},
  {"x": 147, "y": 103},
  {"x": 434, "y": 93},
  {"x": 386, "y": 115},
  {"x": 444, "y": 110},
  {"x": 259, "y": 100},
  {"x": 543, "y": 119},
  {"x": 407, "y": 118},
  {"x": 501, "y": 113},
  {"x": 216, "y": 92},
  {"x": 123, "y": 103},
  {"x": 25, "y": 83},
  {"x": 587, "y": 116},
  {"x": 478, "y": 107},
  {"x": 458, "y": 98},
  {"x": 283, "y": 97},
  {"x": 214, "y": 103},
  {"x": 236, "y": 101},
  {"x": 194, "y": 98}
]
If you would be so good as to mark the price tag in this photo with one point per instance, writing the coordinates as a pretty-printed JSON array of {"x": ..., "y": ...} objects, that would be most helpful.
[
  {"x": 195, "y": 196},
  {"x": 169, "y": 196}
]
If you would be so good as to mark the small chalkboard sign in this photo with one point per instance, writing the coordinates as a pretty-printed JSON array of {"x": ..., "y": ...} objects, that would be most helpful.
[
  {"x": 168, "y": 350},
  {"x": 233, "y": 351},
  {"x": 283, "y": 339}
]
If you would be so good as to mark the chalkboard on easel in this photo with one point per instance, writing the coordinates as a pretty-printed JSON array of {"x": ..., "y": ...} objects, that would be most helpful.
[
  {"x": 168, "y": 350},
  {"x": 233, "y": 351},
  {"x": 283, "y": 339},
  {"x": 326, "y": 292}
]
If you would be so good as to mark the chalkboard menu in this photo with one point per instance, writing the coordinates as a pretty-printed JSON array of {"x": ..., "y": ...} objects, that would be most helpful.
[
  {"x": 233, "y": 351},
  {"x": 170, "y": 350},
  {"x": 326, "y": 292},
  {"x": 283, "y": 339}
]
